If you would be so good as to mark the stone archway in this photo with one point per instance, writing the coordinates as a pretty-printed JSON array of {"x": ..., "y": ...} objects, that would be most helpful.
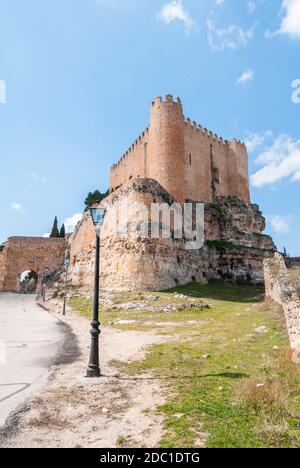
[
  {"x": 35, "y": 254},
  {"x": 28, "y": 282}
]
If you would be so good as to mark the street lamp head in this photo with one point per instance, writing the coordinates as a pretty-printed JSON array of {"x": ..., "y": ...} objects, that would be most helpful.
[{"x": 98, "y": 214}]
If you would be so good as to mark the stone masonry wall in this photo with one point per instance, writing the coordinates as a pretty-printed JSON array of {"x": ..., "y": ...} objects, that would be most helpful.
[
  {"x": 190, "y": 162},
  {"x": 2, "y": 267},
  {"x": 292, "y": 262},
  {"x": 28, "y": 253},
  {"x": 281, "y": 289},
  {"x": 235, "y": 247}
]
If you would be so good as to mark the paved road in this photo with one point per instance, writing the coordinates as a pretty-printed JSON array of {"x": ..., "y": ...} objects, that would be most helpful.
[{"x": 30, "y": 339}]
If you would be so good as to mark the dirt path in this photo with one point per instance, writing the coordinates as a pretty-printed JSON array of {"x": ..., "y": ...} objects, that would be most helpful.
[{"x": 109, "y": 412}]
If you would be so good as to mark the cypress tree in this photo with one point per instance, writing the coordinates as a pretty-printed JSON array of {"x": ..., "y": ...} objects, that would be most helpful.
[
  {"x": 62, "y": 231},
  {"x": 55, "y": 231}
]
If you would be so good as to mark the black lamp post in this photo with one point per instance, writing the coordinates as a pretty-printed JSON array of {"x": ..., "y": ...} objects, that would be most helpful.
[{"x": 98, "y": 214}]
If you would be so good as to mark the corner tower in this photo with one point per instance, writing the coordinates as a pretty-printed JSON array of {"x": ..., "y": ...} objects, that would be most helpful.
[{"x": 166, "y": 146}]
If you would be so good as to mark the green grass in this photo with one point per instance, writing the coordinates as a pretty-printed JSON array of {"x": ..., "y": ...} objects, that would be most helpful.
[
  {"x": 222, "y": 378},
  {"x": 141, "y": 319}
]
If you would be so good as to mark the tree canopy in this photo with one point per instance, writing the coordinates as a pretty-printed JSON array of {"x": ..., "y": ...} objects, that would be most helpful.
[
  {"x": 94, "y": 197},
  {"x": 55, "y": 231}
]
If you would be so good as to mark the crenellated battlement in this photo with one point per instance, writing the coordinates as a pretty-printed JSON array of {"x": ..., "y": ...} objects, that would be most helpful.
[
  {"x": 138, "y": 141},
  {"x": 169, "y": 99},
  {"x": 187, "y": 159},
  {"x": 216, "y": 138}
]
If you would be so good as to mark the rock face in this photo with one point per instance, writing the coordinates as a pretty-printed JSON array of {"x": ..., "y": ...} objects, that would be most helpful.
[
  {"x": 132, "y": 259},
  {"x": 281, "y": 288}
]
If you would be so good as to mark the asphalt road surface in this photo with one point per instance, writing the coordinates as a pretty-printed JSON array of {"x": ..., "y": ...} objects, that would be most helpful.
[{"x": 30, "y": 341}]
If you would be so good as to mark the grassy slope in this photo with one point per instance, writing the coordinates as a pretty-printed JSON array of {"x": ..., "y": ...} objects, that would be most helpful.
[{"x": 223, "y": 379}]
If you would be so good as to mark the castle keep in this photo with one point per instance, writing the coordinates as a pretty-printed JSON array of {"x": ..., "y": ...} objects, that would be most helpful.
[{"x": 189, "y": 162}]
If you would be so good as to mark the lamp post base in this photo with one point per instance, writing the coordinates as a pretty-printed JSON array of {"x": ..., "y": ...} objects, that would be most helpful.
[{"x": 93, "y": 372}]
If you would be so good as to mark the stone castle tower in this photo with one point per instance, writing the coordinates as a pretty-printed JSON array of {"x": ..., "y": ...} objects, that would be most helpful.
[{"x": 190, "y": 162}]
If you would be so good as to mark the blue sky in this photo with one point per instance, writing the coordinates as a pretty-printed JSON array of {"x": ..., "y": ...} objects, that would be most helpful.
[{"x": 80, "y": 75}]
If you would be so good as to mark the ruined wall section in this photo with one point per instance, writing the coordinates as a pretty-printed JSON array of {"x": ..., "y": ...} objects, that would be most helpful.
[
  {"x": 292, "y": 262},
  {"x": 30, "y": 253},
  {"x": 2, "y": 266},
  {"x": 281, "y": 289},
  {"x": 82, "y": 253}
]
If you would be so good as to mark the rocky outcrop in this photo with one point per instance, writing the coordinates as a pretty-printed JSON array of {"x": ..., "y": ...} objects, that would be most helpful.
[
  {"x": 131, "y": 259},
  {"x": 281, "y": 288}
]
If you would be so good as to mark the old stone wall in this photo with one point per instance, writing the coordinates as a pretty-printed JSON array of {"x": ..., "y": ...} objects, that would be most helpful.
[
  {"x": 28, "y": 253},
  {"x": 2, "y": 266},
  {"x": 292, "y": 262},
  {"x": 281, "y": 288},
  {"x": 234, "y": 249},
  {"x": 133, "y": 163},
  {"x": 189, "y": 162}
]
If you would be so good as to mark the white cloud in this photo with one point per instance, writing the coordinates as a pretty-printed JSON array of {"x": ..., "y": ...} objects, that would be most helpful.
[
  {"x": 255, "y": 140},
  {"x": 251, "y": 7},
  {"x": 175, "y": 11},
  {"x": 248, "y": 75},
  {"x": 46, "y": 235},
  {"x": 39, "y": 179},
  {"x": 281, "y": 160},
  {"x": 16, "y": 206},
  {"x": 232, "y": 37},
  {"x": 280, "y": 224},
  {"x": 71, "y": 222},
  {"x": 291, "y": 22}
]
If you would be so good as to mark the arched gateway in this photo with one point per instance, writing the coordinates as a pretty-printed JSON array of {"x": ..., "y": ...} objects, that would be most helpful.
[{"x": 21, "y": 254}]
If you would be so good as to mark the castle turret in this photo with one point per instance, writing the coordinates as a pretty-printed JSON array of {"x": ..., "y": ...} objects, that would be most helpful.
[{"x": 166, "y": 146}]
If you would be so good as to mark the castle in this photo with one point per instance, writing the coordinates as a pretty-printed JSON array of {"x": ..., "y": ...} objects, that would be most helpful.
[
  {"x": 174, "y": 160},
  {"x": 189, "y": 162}
]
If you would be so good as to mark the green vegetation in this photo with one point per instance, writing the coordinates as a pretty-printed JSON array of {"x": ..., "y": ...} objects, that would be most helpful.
[
  {"x": 226, "y": 369},
  {"x": 56, "y": 232},
  {"x": 219, "y": 212},
  {"x": 223, "y": 246},
  {"x": 146, "y": 319},
  {"x": 94, "y": 197},
  {"x": 62, "y": 232}
]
